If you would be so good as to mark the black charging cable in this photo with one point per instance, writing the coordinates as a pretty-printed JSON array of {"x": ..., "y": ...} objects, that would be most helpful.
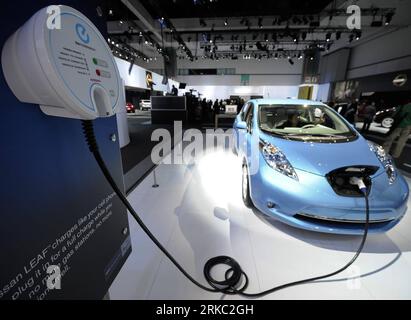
[{"x": 236, "y": 280}]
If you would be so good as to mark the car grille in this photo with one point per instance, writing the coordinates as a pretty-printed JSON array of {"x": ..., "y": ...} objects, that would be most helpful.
[{"x": 315, "y": 218}]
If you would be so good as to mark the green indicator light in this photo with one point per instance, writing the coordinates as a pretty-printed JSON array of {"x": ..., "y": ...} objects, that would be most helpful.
[{"x": 94, "y": 60}]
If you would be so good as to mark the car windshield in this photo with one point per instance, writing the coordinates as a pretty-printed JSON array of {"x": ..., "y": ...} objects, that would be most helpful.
[{"x": 304, "y": 122}]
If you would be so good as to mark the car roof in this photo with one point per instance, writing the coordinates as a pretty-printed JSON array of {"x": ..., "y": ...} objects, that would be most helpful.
[{"x": 285, "y": 101}]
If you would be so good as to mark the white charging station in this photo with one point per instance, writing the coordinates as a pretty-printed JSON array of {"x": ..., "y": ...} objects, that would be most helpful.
[{"x": 67, "y": 67}]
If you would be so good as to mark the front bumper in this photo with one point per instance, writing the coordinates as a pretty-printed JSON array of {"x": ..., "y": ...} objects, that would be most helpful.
[{"x": 312, "y": 204}]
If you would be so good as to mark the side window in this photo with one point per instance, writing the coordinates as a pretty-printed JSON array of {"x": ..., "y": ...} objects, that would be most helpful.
[{"x": 249, "y": 117}]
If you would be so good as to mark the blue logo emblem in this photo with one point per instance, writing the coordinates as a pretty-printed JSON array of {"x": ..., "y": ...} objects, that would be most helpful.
[{"x": 81, "y": 33}]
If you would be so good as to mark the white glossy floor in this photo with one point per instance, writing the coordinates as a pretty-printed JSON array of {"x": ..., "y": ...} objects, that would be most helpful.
[{"x": 197, "y": 213}]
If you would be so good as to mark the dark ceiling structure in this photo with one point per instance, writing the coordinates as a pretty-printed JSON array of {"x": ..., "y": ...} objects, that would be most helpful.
[
  {"x": 239, "y": 8},
  {"x": 227, "y": 29}
]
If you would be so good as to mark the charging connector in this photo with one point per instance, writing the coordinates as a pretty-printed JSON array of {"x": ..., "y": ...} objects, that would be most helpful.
[{"x": 360, "y": 183}]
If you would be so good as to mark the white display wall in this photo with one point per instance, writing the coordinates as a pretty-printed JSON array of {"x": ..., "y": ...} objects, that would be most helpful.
[
  {"x": 137, "y": 77},
  {"x": 224, "y": 92}
]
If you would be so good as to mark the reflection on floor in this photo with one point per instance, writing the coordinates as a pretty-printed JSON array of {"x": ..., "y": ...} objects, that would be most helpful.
[{"x": 197, "y": 212}]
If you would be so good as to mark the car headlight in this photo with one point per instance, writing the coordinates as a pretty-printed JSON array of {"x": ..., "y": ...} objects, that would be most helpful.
[
  {"x": 385, "y": 160},
  {"x": 277, "y": 160}
]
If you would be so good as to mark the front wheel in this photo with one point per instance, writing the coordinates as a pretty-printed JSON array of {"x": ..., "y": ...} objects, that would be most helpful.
[{"x": 246, "y": 188}]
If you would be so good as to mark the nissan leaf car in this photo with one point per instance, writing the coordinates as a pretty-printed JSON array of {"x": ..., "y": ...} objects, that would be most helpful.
[{"x": 298, "y": 160}]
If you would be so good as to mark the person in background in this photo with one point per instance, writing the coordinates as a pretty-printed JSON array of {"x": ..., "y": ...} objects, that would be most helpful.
[
  {"x": 361, "y": 108},
  {"x": 369, "y": 114},
  {"x": 216, "y": 109},
  {"x": 401, "y": 128},
  {"x": 204, "y": 110},
  {"x": 351, "y": 112},
  {"x": 344, "y": 108},
  {"x": 350, "y": 115},
  {"x": 174, "y": 91},
  {"x": 210, "y": 104},
  {"x": 354, "y": 105},
  {"x": 216, "y": 106}
]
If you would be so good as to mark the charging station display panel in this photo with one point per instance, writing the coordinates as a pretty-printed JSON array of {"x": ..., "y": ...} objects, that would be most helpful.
[{"x": 56, "y": 207}]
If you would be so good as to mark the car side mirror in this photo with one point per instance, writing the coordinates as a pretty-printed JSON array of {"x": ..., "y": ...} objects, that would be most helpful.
[{"x": 241, "y": 125}]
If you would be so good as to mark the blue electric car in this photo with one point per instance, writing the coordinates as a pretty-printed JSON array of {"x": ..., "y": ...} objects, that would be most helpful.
[{"x": 298, "y": 159}]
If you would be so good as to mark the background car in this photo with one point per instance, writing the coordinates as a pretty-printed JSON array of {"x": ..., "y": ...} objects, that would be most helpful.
[
  {"x": 130, "y": 107},
  {"x": 385, "y": 117},
  {"x": 298, "y": 160},
  {"x": 145, "y": 105}
]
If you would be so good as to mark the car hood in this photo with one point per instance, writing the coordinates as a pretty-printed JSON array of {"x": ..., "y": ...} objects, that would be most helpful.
[{"x": 321, "y": 158}]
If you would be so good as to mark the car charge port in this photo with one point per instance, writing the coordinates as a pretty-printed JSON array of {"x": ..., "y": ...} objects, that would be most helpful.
[{"x": 339, "y": 179}]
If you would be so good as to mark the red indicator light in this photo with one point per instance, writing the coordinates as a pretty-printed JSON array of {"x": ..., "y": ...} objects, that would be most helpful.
[{"x": 98, "y": 72}]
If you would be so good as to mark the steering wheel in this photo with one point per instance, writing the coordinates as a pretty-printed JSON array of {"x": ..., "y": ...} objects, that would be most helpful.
[{"x": 308, "y": 126}]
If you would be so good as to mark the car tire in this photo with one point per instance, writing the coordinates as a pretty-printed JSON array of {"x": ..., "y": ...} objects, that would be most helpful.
[
  {"x": 387, "y": 122},
  {"x": 246, "y": 188}
]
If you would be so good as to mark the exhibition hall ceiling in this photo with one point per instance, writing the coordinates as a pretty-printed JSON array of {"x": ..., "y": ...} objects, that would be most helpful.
[{"x": 217, "y": 29}]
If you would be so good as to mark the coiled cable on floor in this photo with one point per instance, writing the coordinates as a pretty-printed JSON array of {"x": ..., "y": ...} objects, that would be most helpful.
[{"x": 236, "y": 280}]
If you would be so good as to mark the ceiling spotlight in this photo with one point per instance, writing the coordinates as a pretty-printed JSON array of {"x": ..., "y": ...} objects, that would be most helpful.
[
  {"x": 328, "y": 36},
  {"x": 266, "y": 37},
  {"x": 226, "y": 22},
  {"x": 358, "y": 34},
  {"x": 388, "y": 18},
  {"x": 338, "y": 35},
  {"x": 110, "y": 12},
  {"x": 276, "y": 56},
  {"x": 300, "y": 56}
]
